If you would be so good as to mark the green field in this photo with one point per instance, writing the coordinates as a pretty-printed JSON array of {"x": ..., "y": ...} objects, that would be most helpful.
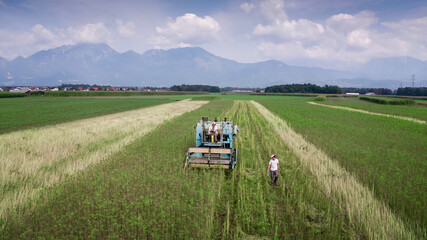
[
  {"x": 29, "y": 112},
  {"x": 398, "y": 110},
  {"x": 386, "y": 154},
  {"x": 142, "y": 192}
]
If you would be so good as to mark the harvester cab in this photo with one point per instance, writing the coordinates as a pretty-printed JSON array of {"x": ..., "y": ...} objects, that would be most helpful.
[{"x": 213, "y": 150}]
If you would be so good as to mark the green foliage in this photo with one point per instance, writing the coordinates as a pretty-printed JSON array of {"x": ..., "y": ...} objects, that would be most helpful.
[
  {"x": 285, "y": 94},
  {"x": 200, "y": 88},
  {"x": 386, "y": 154},
  {"x": 204, "y": 98},
  {"x": 388, "y": 101},
  {"x": 398, "y": 110},
  {"x": 22, "y": 113},
  {"x": 320, "y": 99},
  {"x": 379, "y": 91},
  {"x": 37, "y": 93},
  {"x": 409, "y": 91},
  {"x": 303, "y": 88},
  {"x": 11, "y": 95},
  {"x": 115, "y": 93}
]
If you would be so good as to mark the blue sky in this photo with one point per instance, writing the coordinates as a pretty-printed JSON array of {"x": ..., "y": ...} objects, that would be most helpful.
[{"x": 325, "y": 33}]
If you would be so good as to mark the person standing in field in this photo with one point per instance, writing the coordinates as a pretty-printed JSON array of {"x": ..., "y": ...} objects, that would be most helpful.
[{"x": 274, "y": 168}]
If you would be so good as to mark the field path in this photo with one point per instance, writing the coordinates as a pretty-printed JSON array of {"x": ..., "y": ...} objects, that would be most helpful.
[
  {"x": 362, "y": 208},
  {"x": 372, "y": 113},
  {"x": 36, "y": 158}
]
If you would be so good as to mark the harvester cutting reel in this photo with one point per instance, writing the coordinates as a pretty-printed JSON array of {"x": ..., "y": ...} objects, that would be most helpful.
[{"x": 213, "y": 150}]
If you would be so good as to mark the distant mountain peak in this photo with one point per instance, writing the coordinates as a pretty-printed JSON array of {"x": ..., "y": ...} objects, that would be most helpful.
[{"x": 98, "y": 63}]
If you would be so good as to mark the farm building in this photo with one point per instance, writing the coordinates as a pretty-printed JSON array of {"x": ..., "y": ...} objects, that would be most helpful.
[{"x": 352, "y": 93}]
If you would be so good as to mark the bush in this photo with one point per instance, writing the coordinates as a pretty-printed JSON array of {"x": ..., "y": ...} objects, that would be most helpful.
[
  {"x": 37, "y": 93},
  {"x": 11, "y": 94},
  {"x": 389, "y": 101},
  {"x": 320, "y": 99}
]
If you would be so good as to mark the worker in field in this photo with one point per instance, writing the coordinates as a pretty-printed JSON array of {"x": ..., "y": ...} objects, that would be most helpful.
[
  {"x": 274, "y": 168},
  {"x": 213, "y": 130}
]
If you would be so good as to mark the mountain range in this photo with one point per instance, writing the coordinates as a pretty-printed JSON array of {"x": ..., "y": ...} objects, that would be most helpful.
[{"x": 90, "y": 63}]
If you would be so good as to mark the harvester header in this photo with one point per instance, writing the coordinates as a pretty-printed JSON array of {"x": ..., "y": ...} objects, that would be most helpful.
[{"x": 214, "y": 145}]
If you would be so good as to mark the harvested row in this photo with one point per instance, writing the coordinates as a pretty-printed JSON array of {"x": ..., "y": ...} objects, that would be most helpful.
[
  {"x": 140, "y": 192},
  {"x": 37, "y": 158},
  {"x": 295, "y": 209},
  {"x": 359, "y": 202},
  {"x": 372, "y": 113}
]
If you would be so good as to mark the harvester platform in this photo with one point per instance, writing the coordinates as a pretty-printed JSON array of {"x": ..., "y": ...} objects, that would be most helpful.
[{"x": 213, "y": 150}]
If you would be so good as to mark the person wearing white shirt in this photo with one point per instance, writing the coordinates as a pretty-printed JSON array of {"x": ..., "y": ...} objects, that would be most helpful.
[
  {"x": 274, "y": 168},
  {"x": 213, "y": 130}
]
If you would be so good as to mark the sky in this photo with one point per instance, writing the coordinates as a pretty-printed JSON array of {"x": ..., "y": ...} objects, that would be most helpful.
[{"x": 334, "y": 34}]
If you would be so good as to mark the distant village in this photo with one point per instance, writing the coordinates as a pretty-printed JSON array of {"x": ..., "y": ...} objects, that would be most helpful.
[{"x": 65, "y": 87}]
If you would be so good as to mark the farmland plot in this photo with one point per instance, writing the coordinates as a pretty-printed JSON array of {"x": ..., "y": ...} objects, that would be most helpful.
[
  {"x": 30, "y": 112},
  {"x": 398, "y": 110},
  {"x": 36, "y": 158},
  {"x": 359, "y": 202},
  {"x": 385, "y": 154},
  {"x": 142, "y": 192}
]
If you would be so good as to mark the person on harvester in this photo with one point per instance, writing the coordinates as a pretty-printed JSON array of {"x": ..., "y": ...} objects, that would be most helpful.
[
  {"x": 213, "y": 130},
  {"x": 274, "y": 167}
]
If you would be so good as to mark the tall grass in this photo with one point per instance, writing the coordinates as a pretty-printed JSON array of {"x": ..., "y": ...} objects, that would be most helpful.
[
  {"x": 362, "y": 208},
  {"x": 24, "y": 113},
  {"x": 388, "y": 101},
  {"x": 11, "y": 95},
  {"x": 142, "y": 192},
  {"x": 33, "y": 159},
  {"x": 295, "y": 209},
  {"x": 385, "y": 154}
]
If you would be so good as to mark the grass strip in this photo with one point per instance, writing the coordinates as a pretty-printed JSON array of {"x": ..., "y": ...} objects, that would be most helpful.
[
  {"x": 359, "y": 202},
  {"x": 30, "y": 112},
  {"x": 36, "y": 158},
  {"x": 398, "y": 110},
  {"x": 367, "y": 112},
  {"x": 249, "y": 208}
]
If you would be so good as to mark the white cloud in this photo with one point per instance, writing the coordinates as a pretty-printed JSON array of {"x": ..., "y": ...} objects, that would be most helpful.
[
  {"x": 186, "y": 30},
  {"x": 347, "y": 22},
  {"x": 247, "y": 7},
  {"x": 40, "y": 38},
  {"x": 300, "y": 29},
  {"x": 359, "y": 38},
  {"x": 411, "y": 29},
  {"x": 125, "y": 30},
  {"x": 274, "y": 10},
  {"x": 42, "y": 34},
  {"x": 93, "y": 33}
]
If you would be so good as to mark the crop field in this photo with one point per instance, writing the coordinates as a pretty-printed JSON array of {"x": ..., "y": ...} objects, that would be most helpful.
[
  {"x": 386, "y": 154},
  {"x": 398, "y": 110},
  {"x": 29, "y": 112},
  {"x": 344, "y": 175}
]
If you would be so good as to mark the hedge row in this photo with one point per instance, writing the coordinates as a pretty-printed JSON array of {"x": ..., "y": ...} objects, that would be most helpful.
[
  {"x": 115, "y": 93},
  {"x": 286, "y": 94},
  {"x": 389, "y": 101},
  {"x": 11, "y": 94}
]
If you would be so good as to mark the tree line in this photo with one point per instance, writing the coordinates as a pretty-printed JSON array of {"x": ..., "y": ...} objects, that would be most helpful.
[
  {"x": 195, "y": 88},
  {"x": 303, "y": 88}
]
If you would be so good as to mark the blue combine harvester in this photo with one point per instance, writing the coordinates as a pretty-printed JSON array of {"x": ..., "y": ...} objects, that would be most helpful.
[{"x": 211, "y": 152}]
